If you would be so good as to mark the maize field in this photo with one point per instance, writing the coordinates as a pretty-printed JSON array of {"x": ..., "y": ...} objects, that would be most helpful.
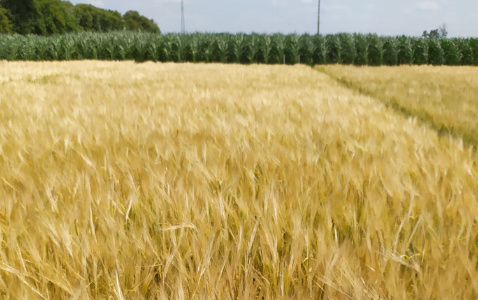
[
  {"x": 226, "y": 181},
  {"x": 354, "y": 49}
]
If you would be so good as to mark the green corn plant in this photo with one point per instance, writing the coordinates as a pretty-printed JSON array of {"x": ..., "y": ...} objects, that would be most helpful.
[
  {"x": 66, "y": 48},
  {"x": 115, "y": 49},
  {"x": 108, "y": 48},
  {"x": 81, "y": 48},
  {"x": 376, "y": 50},
  {"x": 75, "y": 55},
  {"x": 52, "y": 49},
  {"x": 436, "y": 54},
  {"x": 119, "y": 52},
  {"x": 320, "y": 52},
  {"x": 40, "y": 49},
  {"x": 221, "y": 49},
  {"x": 208, "y": 46},
  {"x": 292, "y": 48},
  {"x": 183, "y": 49},
  {"x": 191, "y": 47},
  {"x": 207, "y": 43},
  {"x": 97, "y": 44},
  {"x": 129, "y": 46},
  {"x": 278, "y": 48},
  {"x": 165, "y": 50},
  {"x": 391, "y": 49},
  {"x": 140, "y": 50},
  {"x": 2, "y": 46},
  {"x": 334, "y": 47},
  {"x": 451, "y": 52},
  {"x": 151, "y": 53},
  {"x": 420, "y": 51},
  {"x": 306, "y": 49},
  {"x": 247, "y": 56},
  {"x": 265, "y": 45},
  {"x": 256, "y": 55},
  {"x": 88, "y": 46},
  {"x": 22, "y": 52},
  {"x": 241, "y": 48},
  {"x": 474, "y": 49},
  {"x": 348, "y": 46},
  {"x": 466, "y": 51},
  {"x": 93, "y": 51},
  {"x": 405, "y": 50},
  {"x": 11, "y": 46},
  {"x": 176, "y": 45},
  {"x": 250, "y": 48},
  {"x": 12, "y": 52},
  {"x": 235, "y": 47},
  {"x": 362, "y": 49},
  {"x": 26, "y": 50}
]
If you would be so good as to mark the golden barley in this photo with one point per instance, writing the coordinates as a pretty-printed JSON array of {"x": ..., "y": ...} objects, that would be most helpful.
[
  {"x": 443, "y": 97},
  {"x": 224, "y": 181}
]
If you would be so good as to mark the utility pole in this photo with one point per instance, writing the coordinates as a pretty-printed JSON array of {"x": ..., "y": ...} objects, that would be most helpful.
[
  {"x": 183, "y": 22},
  {"x": 318, "y": 21}
]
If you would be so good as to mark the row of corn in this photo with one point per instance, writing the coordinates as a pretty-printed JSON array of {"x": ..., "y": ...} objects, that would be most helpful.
[{"x": 358, "y": 49}]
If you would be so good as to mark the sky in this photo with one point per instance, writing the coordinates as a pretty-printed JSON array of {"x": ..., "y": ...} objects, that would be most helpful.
[{"x": 384, "y": 17}]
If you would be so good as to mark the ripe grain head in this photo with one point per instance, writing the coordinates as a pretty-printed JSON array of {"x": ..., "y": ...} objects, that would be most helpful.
[{"x": 225, "y": 181}]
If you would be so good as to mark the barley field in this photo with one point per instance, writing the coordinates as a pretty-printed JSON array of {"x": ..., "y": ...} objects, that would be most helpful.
[
  {"x": 443, "y": 97},
  {"x": 194, "y": 181}
]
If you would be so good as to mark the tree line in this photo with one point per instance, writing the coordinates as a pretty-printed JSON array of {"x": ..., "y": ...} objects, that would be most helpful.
[{"x": 47, "y": 17}]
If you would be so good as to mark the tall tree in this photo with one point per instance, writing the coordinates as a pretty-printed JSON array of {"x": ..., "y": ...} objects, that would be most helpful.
[
  {"x": 440, "y": 33},
  {"x": 91, "y": 18},
  {"x": 5, "y": 23},
  {"x": 55, "y": 17},
  {"x": 87, "y": 17},
  {"x": 25, "y": 14},
  {"x": 44, "y": 17},
  {"x": 111, "y": 21},
  {"x": 134, "y": 21}
]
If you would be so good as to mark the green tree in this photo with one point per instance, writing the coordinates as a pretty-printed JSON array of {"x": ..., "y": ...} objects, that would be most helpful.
[
  {"x": 439, "y": 33},
  {"x": 70, "y": 20},
  {"x": 5, "y": 23},
  {"x": 25, "y": 14},
  {"x": 88, "y": 17},
  {"x": 136, "y": 22},
  {"x": 55, "y": 17},
  {"x": 91, "y": 18},
  {"x": 46, "y": 17},
  {"x": 111, "y": 21}
]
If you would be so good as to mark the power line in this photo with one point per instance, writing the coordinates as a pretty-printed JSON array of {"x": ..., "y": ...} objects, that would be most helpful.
[{"x": 183, "y": 22}]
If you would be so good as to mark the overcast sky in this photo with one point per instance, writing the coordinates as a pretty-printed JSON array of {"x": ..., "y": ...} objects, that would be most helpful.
[{"x": 384, "y": 17}]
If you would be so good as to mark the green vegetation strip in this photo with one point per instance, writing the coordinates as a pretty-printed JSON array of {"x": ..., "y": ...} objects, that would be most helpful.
[
  {"x": 353, "y": 49},
  {"x": 47, "y": 17}
]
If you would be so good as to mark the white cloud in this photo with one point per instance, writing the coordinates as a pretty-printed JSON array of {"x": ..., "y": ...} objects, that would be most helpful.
[{"x": 428, "y": 5}]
